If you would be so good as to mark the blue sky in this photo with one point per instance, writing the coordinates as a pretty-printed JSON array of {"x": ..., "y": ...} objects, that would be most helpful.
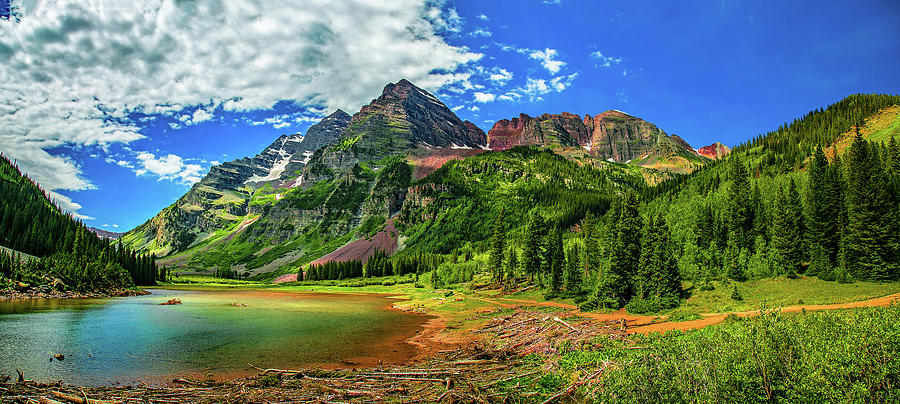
[{"x": 118, "y": 108}]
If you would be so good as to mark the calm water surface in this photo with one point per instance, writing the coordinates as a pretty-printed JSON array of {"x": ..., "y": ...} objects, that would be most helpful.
[{"x": 125, "y": 340}]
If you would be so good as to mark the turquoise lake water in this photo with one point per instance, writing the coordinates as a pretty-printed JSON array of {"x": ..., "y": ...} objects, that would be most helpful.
[{"x": 134, "y": 339}]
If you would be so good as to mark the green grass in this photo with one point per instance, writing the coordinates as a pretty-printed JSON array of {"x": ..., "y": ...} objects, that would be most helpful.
[
  {"x": 781, "y": 292},
  {"x": 837, "y": 356}
]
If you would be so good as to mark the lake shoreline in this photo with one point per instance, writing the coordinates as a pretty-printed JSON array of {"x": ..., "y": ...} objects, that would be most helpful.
[{"x": 12, "y": 294}]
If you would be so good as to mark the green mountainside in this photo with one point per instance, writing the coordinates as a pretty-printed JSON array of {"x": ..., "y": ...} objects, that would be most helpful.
[
  {"x": 406, "y": 177},
  {"x": 43, "y": 246},
  {"x": 801, "y": 199}
]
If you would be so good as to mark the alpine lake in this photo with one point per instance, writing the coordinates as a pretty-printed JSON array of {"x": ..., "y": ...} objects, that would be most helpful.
[{"x": 214, "y": 333}]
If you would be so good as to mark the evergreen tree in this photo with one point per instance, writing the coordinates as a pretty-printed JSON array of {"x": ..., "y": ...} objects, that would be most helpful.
[
  {"x": 589, "y": 233},
  {"x": 614, "y": 287},
  {"x": 557, "y": 260},
  {"x": 658, "y": 268},
  {"x": 824, "y": 203},
  {"x": 869, "y": 243},
  {"x": 498, "y": 247},
  {"x": 512, "y": 265},
  {"x": 786, "y": 232},
  {"x": 573, "y": 269},
  {"x": 532, "y": 248},
  {"x": 739, "y": 216}
]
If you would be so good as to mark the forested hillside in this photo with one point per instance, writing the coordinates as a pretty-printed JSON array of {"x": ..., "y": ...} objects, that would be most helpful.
[
  {"x": 71, "y": 257},
  {"x": 780, "y": 206}
]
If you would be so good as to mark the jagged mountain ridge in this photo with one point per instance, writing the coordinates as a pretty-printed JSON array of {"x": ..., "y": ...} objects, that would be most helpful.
[
  {"x": 404, "y": 121},
  {"x": 303, "y": 197},
  {"x": 612, "y": 135}
]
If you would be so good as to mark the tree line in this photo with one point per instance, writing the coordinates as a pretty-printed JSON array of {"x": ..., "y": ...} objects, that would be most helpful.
[{"x": 32, "y": 224}]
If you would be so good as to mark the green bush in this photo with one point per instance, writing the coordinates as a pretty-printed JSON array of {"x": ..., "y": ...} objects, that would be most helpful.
[
  {"x": 838, "y": 356},
  {"x": 651, "y": 304}
]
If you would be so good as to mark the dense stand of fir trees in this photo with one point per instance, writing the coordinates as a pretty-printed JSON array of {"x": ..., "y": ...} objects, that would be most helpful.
[
  {"x": 69, "y": 252},
  {"x": 796, "y": 201},
  {"x": 630, "y": 261},
  {"x": 379, "y": 264}
]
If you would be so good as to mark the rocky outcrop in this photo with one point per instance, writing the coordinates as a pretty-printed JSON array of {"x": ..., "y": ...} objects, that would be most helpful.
[
  {"x": 714, "y": 151},
  {"x": 612, "y": 135}
]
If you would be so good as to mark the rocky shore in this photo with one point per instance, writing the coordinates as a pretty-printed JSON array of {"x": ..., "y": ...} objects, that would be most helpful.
[{"x": 47, "y": 293}]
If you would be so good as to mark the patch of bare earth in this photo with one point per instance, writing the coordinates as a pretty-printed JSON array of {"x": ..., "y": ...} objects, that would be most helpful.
[{"x": 361, "y": 249}]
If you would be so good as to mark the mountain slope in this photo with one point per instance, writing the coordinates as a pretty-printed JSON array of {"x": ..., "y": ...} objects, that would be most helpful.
[
  {"x": 699, "y": 208},
  {"x": 233, "y": 190},
  {"x": 380, "y": 171},
  {"x": 612, "y": 135},
  {"x": 72, "y": 258}
]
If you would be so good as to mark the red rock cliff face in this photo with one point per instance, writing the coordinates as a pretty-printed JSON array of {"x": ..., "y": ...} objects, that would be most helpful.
[
  {"x": 507, "y": 133},
  {"x": 610, "y": 135},
  {"x": 714, "y": 151}
]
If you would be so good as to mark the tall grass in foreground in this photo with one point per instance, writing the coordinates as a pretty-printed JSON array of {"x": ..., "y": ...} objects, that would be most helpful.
[{"x": 841, "y": 356}]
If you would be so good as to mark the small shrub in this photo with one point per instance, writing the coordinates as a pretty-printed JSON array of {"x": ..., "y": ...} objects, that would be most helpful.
[
  {"x": 683, "y": 315},
  {"x": 651, "y": 304},
  {"x": 736, "y": 294}
]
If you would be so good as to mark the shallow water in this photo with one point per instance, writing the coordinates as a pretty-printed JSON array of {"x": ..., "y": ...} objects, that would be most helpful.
[{"x": 126, "y": 340}]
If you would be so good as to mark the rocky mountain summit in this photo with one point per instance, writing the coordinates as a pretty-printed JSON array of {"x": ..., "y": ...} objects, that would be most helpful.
[{"x": 612, "y": 135}]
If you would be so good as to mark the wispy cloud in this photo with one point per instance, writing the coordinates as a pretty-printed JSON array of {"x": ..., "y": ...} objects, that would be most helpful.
[
  {"x": 547, "y": 57},
  {"x": 481, "y": 31},
  {"x": 535, "y": 89},
  {"x": 605, "y": 61}
]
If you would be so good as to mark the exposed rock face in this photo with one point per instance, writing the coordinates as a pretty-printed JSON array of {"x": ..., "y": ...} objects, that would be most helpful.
[
  {"x": 612, "y": 135},
  {"x": 563, "y": 129},
  {"x": 222, "y": 197},
  {"x": 105, "y": 234},
  {"x": 426, "y": 119},
  {"x": 714, "y": 151},
  {"x": 402, "y": 119}
]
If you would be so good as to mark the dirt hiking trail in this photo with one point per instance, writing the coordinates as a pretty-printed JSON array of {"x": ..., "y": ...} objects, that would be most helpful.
[{"x": 640, "y": 324}]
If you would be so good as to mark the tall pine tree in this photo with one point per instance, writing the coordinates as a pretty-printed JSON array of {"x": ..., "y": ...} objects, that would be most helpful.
[
  {"x": 870, "y": 239},
  {"x": 614, "y": 287}
]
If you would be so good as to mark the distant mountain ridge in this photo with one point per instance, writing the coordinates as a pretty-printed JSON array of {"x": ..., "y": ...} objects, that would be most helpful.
[
  {"x": 612, "y": 135},
  {"x": 104, "y": 234}
]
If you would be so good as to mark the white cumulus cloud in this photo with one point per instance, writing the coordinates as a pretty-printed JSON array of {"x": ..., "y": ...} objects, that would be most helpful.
[
  {"x": 484, "y": 97},
  {"x": 547, "y": 57},
  {"x": 169, "y": 167},
  {"x": 73, "y": 72}
]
